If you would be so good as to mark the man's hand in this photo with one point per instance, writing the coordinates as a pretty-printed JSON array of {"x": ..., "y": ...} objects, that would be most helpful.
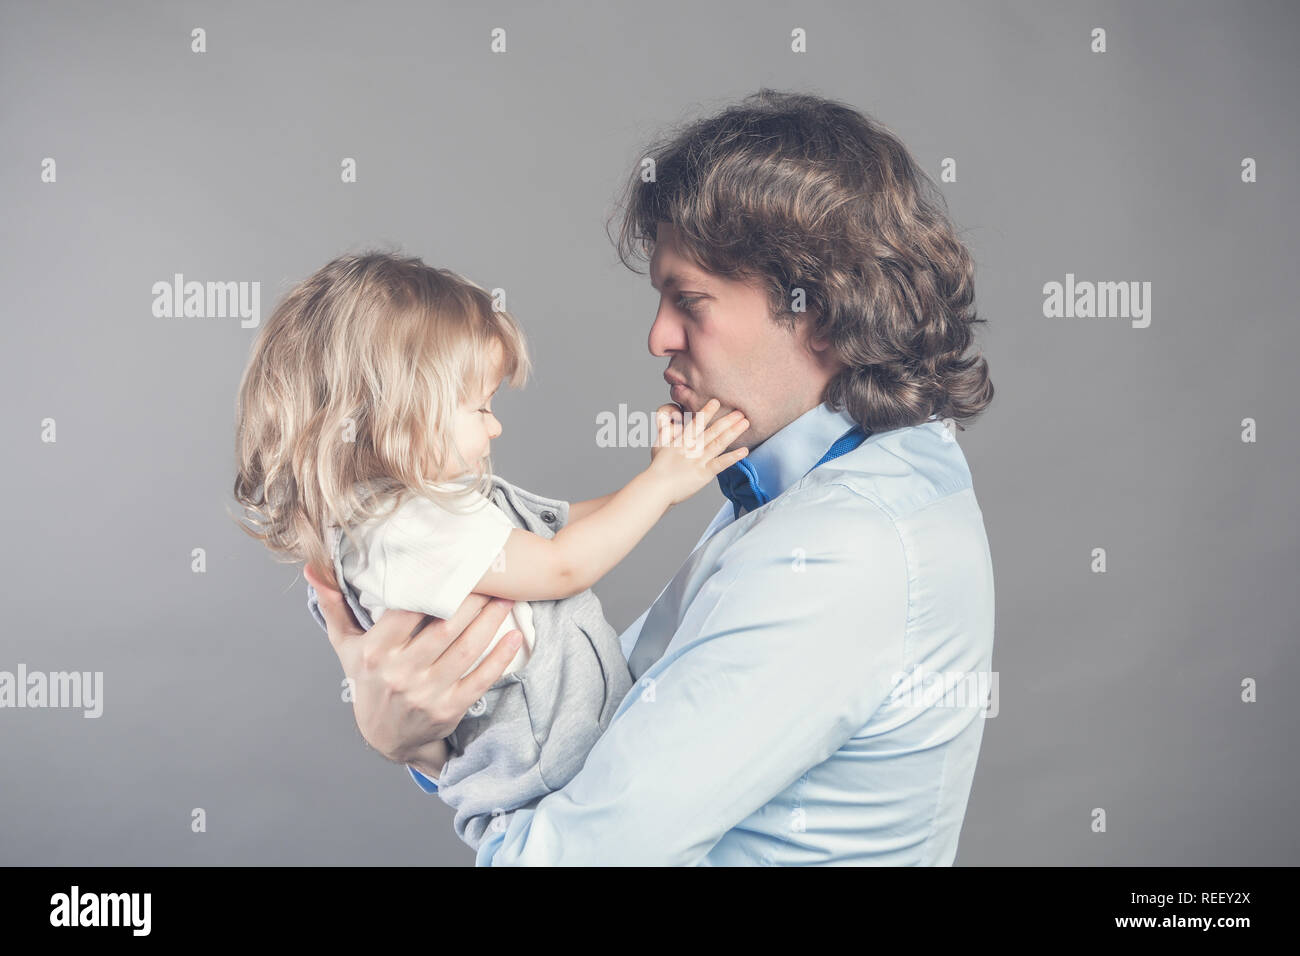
[{"x": 407, "y": 690}]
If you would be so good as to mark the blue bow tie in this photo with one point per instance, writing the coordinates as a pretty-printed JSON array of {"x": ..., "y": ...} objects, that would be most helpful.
[{"x": 740, "y": 482}]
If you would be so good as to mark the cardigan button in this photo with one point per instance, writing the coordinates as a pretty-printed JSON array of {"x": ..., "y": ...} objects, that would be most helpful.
[
  {"x": 548, "y": 517},
  {"x": 477, "y": 708}
]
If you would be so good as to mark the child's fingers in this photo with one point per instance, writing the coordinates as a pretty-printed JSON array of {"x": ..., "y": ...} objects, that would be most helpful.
[
  {"x": 672, "y": 410},
  {"x": 723, "y": 462},
  {"x": 719, "y": 436},
  {"x": 701, "y": 418},
  {"x": 726, "y": 434},
  {"x": 667, "y": 417},
  {"x": 665, "y": 431},
  {"x": 723, "y": 425}
]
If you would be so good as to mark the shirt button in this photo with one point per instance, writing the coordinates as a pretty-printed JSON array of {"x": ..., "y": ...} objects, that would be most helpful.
[
  {"x": 548, "y": 517},
  {"x": 477, "y": 708}
]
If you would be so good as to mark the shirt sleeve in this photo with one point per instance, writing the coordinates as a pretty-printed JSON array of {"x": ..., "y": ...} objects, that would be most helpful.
[
  {"x": 432, "y": 557},
  {"x": 421, "y": 781},
  {"x": 785, "y": 652}
]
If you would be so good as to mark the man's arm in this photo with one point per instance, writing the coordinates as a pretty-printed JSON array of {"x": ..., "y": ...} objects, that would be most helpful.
[
  {"x": 785, "y": 652},
  {"x": 412, "y": 659},
  {"x": 431, "y": 766}
]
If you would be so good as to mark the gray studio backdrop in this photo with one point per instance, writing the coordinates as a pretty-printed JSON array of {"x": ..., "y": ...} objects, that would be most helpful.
[{"x": 1119, "y": 690}]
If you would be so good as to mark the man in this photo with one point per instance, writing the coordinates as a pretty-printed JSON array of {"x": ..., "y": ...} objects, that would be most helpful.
[{"x": 807, "y": 278}]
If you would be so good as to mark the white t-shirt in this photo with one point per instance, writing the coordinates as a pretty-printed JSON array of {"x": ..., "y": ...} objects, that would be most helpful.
[{"x": 423, "y": 557}]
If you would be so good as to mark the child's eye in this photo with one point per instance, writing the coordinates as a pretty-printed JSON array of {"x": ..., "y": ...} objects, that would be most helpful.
[{"x": 687, "y": 303}]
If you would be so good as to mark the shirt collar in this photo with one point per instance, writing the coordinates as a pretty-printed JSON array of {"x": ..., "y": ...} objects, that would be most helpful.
[{"x": 791, "y": 453}]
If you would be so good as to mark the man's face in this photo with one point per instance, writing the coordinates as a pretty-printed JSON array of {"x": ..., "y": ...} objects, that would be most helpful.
[{"x": 721, "y": 341}]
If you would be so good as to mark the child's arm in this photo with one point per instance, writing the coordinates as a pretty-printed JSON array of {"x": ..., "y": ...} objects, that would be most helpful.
[
  {"x": 583, "y": 551},
  {"x": 586, "y": 549},
  {"x": 580, "y": 509}
]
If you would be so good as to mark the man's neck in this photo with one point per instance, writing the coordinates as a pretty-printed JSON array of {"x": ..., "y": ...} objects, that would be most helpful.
[
  {"x": 789, "y": 453},
  {"x": 790, "y": 414}
]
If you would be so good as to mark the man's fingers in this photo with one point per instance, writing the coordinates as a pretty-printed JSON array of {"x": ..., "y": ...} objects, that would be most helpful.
[
  {"x": 475, "y": 684},
  {"x": 433, "y": 640},
  {"x": 339, "y": 621},
  {"x": 396, "y": 627},
  {"x": 463, "y": 638}
]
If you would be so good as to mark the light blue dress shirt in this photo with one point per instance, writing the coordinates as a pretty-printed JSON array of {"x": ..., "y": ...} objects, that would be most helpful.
[{"x": 820, "y": 694}]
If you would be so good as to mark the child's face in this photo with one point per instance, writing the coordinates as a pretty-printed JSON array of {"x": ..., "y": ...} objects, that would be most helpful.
[{"x": 476, "y": 426}]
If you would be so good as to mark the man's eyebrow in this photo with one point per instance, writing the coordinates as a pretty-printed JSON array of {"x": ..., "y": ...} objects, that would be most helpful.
[{"x": 673, "y": 279}]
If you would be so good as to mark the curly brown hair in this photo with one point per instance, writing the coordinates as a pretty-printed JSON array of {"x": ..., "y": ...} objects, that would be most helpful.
[
  {"x": 804, "y": 193},
  {"x": 346, "y": 404}
]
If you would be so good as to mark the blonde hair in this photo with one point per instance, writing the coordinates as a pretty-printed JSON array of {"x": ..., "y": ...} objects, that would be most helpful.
[{"x": 347, "y": 404}]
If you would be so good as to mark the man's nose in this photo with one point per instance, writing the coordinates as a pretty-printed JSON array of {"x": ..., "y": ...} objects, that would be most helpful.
[{"x": 666, "y": 332}]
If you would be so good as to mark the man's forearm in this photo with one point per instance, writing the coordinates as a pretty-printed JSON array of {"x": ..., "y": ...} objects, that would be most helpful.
[{"x": 431, "y": 759}]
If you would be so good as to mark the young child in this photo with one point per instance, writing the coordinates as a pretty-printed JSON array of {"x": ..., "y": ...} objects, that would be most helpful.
[{"x": 363, "y": 436}]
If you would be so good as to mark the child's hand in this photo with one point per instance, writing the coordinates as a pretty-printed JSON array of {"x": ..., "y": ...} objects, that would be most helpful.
[
  {"x": 686, "y": 458},
  {"x": 669, "y": 419}
]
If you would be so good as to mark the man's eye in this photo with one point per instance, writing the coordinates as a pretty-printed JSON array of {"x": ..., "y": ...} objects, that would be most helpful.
[{"x": 687, "y": 302}]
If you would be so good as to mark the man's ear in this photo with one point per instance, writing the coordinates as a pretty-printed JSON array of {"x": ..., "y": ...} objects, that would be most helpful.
[{"x": 818, "y": 343}]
